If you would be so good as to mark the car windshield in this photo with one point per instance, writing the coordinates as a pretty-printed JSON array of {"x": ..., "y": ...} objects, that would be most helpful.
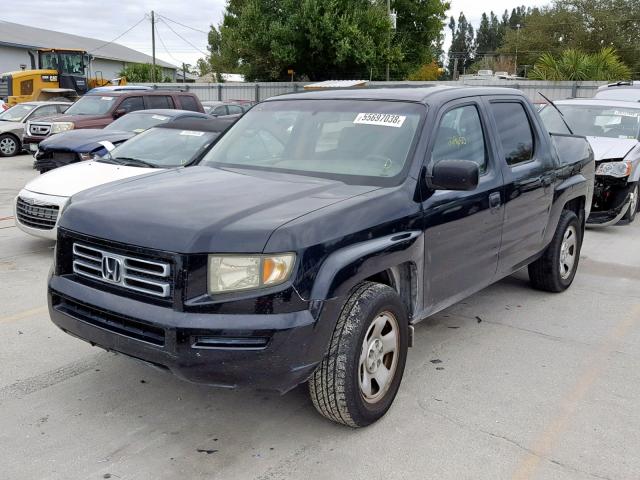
[
  {"x": 16, "y": 113},
  {"x": 162, "y": 148},
  {"x": 594, "y": 120},
  {"x": 91, "y": 105},
  {"x": 137, "y": 122},
  {"x": 624, "y": 94},
  {"x": 355, "y": 141}
]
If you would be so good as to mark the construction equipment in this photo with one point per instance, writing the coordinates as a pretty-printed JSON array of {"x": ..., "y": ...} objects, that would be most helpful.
[{"x": 61, "y": 74}]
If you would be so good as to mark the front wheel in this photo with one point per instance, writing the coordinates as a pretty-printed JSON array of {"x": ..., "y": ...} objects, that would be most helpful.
[
  {"x": 555, "y": 269},
  {"x": 9, "y": 145},
  {"x": 357, "y": 381},
  {"x": 633, "y": 204}
]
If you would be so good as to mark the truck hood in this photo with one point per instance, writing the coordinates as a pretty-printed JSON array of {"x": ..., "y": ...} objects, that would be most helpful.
[
  {"x": 611, "y": 148},
  {"x": 201, "y": 209},
  {"x": 85, "y": 140},
  {"x": 61, "y": 117},
  {"x": 69, "y": 180}
]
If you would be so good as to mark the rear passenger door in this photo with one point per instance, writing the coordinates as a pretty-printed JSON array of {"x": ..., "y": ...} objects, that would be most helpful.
[
  {"x": 529, "y": 176},
  {"x": 462, "y": 228}
]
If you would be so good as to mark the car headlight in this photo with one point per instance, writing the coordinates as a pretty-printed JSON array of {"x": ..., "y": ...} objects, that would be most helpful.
[
  {"x": 229, "y": 273},
  {"x": 87, "y": 156},
  {"x": 57, "y": 127},
  {"x": 614, "y": 169}
]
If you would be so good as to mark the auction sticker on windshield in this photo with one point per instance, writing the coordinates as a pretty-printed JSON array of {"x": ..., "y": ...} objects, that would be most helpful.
[
  {"x": 191, "y": 133},
  {"x": 382, "y": 119},
  {"x": 108, "y": 99}
]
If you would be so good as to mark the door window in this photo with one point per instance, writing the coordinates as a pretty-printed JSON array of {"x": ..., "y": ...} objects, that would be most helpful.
[
  {"x": 234, "y": 109},
  {"x": 159, "y": 101},
  {"x": 221, "y": 110},
  {"x": 44, "y": 111},
  {"x": 189, "y": 103},
  {"x": 514, "y": 131},
  {"x": 132, "y": 104},
  {"x": 460, "y": 136}
]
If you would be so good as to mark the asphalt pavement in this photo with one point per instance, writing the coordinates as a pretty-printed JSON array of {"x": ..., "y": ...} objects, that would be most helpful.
[{"x": 511, "y": 383}]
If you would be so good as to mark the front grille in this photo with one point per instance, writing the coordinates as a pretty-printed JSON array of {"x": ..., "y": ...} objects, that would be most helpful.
[
  {"x": 35, "y": 215},
  {"x": 110, "y": 321},
  {"x": 144, "y": 276},
  {"x": 39, "y": 129}
]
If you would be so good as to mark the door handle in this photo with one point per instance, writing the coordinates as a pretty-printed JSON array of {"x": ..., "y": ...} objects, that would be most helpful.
[{"x": 495, "y": 201}]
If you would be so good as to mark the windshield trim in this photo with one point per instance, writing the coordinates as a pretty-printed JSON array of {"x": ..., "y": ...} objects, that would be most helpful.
[{"x": 376, "y": 181}]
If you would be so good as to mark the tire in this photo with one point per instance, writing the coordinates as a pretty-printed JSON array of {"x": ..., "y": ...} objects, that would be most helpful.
[
  {"x": 633, "y": 208},
  {"x": 356, "y": 356},
  {"x": 9, "y": 145},
  {"x": 555, "y": 269}
]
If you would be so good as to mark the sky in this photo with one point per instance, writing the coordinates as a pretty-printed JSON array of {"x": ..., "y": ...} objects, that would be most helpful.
[{"x": 108, "y": 19}]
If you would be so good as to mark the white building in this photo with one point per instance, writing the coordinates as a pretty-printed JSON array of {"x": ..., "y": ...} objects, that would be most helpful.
[{"x": 19, "y": 42}]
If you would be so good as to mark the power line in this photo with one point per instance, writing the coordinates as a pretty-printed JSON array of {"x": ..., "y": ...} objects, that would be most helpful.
[
  {"x": 121, "y": 35},
  {"x": 183, "y": 25},
  {"x": 183, "y": 39},
  {"x": 164, "y": 46}
]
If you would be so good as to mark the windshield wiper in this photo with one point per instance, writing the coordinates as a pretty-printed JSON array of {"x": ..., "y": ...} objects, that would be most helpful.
[{"x": 135, "y": 162}]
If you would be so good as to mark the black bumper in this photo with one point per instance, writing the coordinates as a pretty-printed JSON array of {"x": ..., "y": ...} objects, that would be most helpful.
[{"x": 271, "y": 351}]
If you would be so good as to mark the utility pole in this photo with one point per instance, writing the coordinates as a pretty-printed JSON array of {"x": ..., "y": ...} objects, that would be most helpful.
[
  {"x": 517, "y": 36},
  {"x": 184, "y": 72},
  {"x": 153, "y": 46},
  {"x": 455, "y": 68},
  {"x": 389, "y": 40}
]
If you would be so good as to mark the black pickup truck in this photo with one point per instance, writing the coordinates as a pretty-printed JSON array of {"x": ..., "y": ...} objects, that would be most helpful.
[{"x": 316, "y": 233}]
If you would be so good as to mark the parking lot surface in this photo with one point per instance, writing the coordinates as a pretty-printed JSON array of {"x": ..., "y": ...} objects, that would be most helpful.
[{"x": 510, "y": 383}]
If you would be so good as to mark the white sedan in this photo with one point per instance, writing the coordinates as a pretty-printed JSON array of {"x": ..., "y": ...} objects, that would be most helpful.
[{"x": 178, "y": 144}]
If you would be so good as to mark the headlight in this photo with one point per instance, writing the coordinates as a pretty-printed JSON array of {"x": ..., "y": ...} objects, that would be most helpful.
[
  {"x": 228, "y": 273},
  {"x": 57, "y": 127},
  {"x": 87, "y": 156},
  {"x": 614, "y": 169}
]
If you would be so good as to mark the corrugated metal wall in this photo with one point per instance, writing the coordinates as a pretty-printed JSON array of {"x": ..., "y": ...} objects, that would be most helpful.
[{"x": 261, "y": 91}]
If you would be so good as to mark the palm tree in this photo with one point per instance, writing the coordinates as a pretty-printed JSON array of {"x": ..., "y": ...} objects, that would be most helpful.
[{"x": 576, "y": 65}]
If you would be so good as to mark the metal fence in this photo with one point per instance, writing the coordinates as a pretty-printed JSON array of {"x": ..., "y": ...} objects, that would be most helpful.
[{"x": 264, "y": 90}]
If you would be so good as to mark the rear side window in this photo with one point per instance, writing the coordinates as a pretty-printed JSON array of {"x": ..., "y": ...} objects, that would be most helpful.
[
  {"x": 460, "y": 137},
  {"x": 234, "y": 109},
  {"x": 159, "y": 101},
  {"x": 514, "y": 131},
  {"x": 187, "y": 102},
  {"x": 132, "y": 104}
]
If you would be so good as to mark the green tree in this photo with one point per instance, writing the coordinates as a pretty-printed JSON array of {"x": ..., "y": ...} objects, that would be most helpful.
[
  {"x": 462, "y": 44},
  {"x": 141, "y": 73},
  {"x": 323, "y": 39},
  {"x": 577, "y": 65},
  {"x": 428, "y": 72}
]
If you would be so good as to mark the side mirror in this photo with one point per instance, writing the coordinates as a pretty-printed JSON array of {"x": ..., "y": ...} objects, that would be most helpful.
[
  {"x": 119, "y": 112},
  {"x": 455, "y": 175}
]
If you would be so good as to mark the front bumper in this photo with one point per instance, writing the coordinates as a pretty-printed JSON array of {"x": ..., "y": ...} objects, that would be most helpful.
[
  {"x": 261, "y": 351},
  {"x": 31, "y": 224},
  {"x": 605, "y": 213}
]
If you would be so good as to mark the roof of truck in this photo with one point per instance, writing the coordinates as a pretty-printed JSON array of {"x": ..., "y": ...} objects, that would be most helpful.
[{"x": 422, "y": 94}]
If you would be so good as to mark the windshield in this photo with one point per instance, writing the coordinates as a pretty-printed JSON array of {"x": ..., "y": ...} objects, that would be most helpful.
[
  {"x": 162, "y": 148},
  {"x": 594, "y": 120},
  {"x": 356, "y": 141},
  {"x": 91, "y": 105},
  {"x": 16, "y": 113},
  {"x": 137, "y": 122},
  {"x": 64, "y": 62},
  {"x": 624, "y": 94}
]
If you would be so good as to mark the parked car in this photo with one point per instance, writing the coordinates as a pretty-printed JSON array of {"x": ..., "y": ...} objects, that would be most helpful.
[
  {"x": 78, "y": 145},
  {"x": 307, "y": 252},
  {"x": 623, "y": 91},
  {"x": 178, "y": 143},
  {"x": 221, "y": 109},
  {"x": 13, "y": 120},
  {"x": 613, "y": 130},
  {"x": 97, "y": 110}
]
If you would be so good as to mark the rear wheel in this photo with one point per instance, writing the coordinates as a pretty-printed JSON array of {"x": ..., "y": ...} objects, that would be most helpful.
[
  {"x": 359, "y": 377},
  {"x": 633, "y": 204},
  {"x": 555, "y": 269},
  {"x": 9, "y": 145}
]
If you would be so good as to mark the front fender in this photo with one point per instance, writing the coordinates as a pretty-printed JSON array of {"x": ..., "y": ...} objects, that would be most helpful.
[{"x": 347, "y": 267}]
